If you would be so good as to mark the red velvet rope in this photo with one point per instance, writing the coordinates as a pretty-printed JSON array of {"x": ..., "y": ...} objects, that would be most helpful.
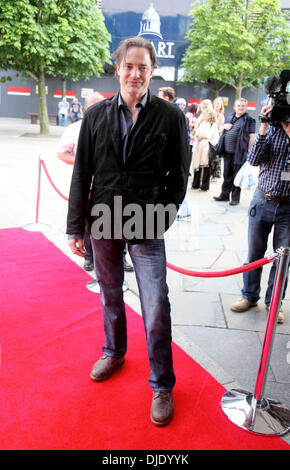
[
  {"x": 51, "y": 182},
  {"x": 229, "y": 272}
]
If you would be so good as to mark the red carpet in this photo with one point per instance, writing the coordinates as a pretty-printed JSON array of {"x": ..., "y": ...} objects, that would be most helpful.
[{"x": 52, "y": 333}]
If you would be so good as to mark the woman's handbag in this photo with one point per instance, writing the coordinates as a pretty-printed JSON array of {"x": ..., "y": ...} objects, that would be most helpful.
[{"x": 212, "y": 156}]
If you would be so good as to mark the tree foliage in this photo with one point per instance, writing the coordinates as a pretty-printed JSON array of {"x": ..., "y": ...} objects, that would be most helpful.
[
  {"x": 236, "y": 43},
  {"x": 52, "y": 37},
  {"x": 87, "y": 50}
]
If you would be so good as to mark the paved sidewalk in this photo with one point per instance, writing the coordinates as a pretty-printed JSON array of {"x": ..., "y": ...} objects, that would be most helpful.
[{"x": 227, "y": 344}]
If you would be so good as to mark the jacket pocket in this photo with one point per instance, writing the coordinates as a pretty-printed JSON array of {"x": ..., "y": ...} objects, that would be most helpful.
[{"x": 157, "y": 139}]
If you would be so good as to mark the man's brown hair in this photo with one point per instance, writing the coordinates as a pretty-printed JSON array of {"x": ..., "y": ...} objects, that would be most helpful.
[
  {"x": 168, "y": 91},
  {"x": 123, "y": 47}
]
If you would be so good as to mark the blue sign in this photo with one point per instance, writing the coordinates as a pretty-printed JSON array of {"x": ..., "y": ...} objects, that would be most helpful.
[{"x": 166, "y": 33}]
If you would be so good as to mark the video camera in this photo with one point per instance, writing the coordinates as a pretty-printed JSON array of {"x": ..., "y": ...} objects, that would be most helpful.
[{"x": 278, "y": 90}]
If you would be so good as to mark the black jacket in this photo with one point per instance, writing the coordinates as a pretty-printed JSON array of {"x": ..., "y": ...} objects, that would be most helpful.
[
  {"x": 155, "y": 171},
  {"x": 248, "y": 127}
]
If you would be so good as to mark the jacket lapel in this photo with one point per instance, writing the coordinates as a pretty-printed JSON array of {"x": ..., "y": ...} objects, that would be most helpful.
[
  {"x": 144, "y": 119},
  {"x": 113, "y": 123}
]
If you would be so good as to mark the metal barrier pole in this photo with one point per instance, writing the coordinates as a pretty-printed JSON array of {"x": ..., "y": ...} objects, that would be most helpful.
[
  {"x": 279, "y": 284},
  {"x": 251, "y": 411},
  {"x": 37, "y": 227}
]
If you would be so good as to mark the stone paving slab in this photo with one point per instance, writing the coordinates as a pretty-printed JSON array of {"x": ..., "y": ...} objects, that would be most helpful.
[
  {"x": 227, "y": 285},
  {"x": 194, "y": 260},
  {"x": 194, "y": 309},
  {"x": 194, "y": 243},
  {"x": 254, "y": 319},
  {"x": 238, "y": 352},
  {"x": 280, "y": 358}
]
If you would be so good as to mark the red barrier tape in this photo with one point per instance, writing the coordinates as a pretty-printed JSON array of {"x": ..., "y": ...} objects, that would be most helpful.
[
  {"x": 51, "y": 182},
  {"x": 229, "y": 272}
]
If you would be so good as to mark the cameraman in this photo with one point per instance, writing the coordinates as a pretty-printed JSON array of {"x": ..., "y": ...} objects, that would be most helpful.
[{"x": 270, "y": 207}]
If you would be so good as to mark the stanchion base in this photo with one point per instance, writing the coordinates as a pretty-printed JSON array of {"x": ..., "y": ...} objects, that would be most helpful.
[
  {"x": 269, "y": 418},
  {"x": 37, "y": 227},
  {"x": 93, "y": 286}
]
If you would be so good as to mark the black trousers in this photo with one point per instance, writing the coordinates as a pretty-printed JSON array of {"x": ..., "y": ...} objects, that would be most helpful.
[{"x": 230, "y": 170}]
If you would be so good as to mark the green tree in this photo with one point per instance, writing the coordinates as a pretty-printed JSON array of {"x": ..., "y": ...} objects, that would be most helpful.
[
  {"x": 35, "y": 36},
  {"x": 236, "y": 43},
  {"x": 87, "y": 49}
]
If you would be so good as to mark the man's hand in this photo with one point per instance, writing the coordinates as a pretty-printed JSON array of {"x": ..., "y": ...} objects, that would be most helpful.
[
  {"x": 286, "y": 127},
  {"x": 265, "y": 125},
  {"x": 227, "y": 126},
  {"x": 77, "y": 246}
]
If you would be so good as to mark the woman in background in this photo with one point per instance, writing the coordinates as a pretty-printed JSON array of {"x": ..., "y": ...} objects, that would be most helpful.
[
  {"x": 218, "y": 106},
  {"x": 206, "y": 131},
  {"x": 192, "y": 120}
]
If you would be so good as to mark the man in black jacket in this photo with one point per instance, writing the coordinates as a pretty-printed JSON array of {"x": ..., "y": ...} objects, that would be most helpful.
[
  {"x": 132, "y": 158},
  {"x": 236, "y": 139}
]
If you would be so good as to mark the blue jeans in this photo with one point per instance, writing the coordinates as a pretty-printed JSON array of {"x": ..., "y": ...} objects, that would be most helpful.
[
  {"x": 62, "y": 117},
  {"x": 75, "y": 117},
  {"x": 184, "y": 210},
  {"x": 149, "y": 261},
  {"x": 263, "y": 216},
  {"x": 89, "y": 256}
]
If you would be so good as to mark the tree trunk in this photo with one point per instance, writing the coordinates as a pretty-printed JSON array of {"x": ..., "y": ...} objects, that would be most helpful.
[
  {"x": 216, "y": 88},
  {"x": 239, "y": 87},
  {"x": 42, "y": 104},
  {"x": 63, "y": 86}
]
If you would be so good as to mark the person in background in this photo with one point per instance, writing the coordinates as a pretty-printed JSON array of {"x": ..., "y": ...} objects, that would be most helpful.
[
  {"x": 218, "y": 106},
  {"x": 76, "y": 110},
  {"x": 66, "y": 152},
  {"x": 269, "y": 209},
  {"x": 67, "y": 147},
  {"x": 168, "y": 94},
  {"x": 181, "y": 103},
  {"x": 238, "y": 134},
  {"x": 192, "y": 120},
  {"x": 184, "y": 210},
  {"x": 206, "y": 131},
  {"x": 63, "y": 108}
]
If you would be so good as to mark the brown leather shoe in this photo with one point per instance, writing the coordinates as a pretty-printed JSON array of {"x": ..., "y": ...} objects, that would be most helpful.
[
  {"x": 161, "y": 408},
  {"x": 105, "y": 367},
  {"x": 243, "y": 305}
]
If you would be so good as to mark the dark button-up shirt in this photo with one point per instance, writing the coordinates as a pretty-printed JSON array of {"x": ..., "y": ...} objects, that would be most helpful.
[
  {"x": 126, "y": 123},
  {"x": 271, "y": 152}
]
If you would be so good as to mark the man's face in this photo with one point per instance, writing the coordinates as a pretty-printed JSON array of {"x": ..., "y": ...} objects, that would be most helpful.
[
  {"x": 181, "y": 104},
  {"x": 240, "y": 108},
  {"x": 135, "y": 72}
]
